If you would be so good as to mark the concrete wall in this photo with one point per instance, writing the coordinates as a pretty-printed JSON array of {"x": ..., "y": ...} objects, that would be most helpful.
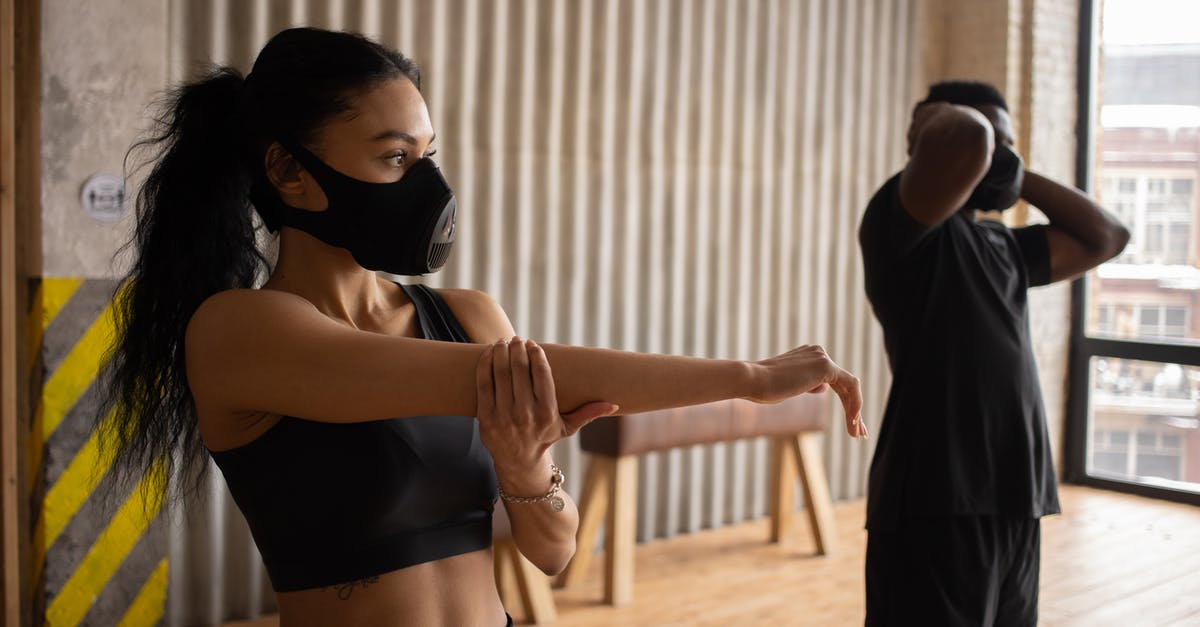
[{"x": 102, "y": 63}]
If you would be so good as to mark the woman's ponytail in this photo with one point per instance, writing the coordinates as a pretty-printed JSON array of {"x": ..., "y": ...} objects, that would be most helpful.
[{"x": 195, "y": 236}]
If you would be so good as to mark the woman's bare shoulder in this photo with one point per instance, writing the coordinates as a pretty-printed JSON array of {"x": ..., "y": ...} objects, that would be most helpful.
[
  {"x": 231, "y": 322},
  {"x": 234, "y": 308},
  {"x": 482, "y": 317}
]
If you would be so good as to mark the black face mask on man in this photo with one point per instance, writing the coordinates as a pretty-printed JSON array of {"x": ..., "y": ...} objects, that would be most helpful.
[
  {"x": 1000, "y": 187},
  {"x": 405, "y": 227}
]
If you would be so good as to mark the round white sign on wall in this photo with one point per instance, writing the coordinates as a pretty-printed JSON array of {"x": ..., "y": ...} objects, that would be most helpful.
[{"x": 103, "y": 198}]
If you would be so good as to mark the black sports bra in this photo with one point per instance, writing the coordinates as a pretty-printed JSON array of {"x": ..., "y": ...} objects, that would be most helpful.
[{"x": 330, "y": 503}]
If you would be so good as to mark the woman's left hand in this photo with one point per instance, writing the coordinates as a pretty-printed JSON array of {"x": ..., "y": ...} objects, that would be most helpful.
[{"x": 517, "y": 408}]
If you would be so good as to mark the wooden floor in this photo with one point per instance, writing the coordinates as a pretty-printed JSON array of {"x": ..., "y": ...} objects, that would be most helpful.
[{"x": 1111, "y": 559}]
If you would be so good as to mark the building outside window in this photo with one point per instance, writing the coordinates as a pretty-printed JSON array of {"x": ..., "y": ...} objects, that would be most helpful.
[
  {"x": 1158, "y": 209},
  {"x": 1136, "y": 379}
]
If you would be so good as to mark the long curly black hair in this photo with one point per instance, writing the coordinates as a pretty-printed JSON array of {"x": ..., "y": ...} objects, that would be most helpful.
[{"x": 196, "y": 234}]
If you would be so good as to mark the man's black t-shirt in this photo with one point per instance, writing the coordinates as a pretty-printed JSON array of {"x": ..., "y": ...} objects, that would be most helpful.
[{"x": 964, "y": 431}]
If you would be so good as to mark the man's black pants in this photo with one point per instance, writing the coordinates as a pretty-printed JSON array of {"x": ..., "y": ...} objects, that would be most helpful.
[{"x": 955, "y": 570}]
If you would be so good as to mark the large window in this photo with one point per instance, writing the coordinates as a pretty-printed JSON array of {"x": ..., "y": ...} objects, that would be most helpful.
[{"x": 1135, "y": 397}]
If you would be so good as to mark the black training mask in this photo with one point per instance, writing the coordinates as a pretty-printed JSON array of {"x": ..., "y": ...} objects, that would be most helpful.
[
  {"x": 405, "y": 227},
  {"x": 1000, "y": 187}
]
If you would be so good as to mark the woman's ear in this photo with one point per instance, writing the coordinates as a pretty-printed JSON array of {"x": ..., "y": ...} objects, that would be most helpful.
[{"x": 286, "y": 175}]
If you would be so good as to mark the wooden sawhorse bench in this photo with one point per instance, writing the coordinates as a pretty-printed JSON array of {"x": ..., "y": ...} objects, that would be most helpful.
[{"x": 610, "y": 487}]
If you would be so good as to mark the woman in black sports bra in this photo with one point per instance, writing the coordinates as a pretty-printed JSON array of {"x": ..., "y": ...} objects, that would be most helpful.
[{"x": 365, "y": 428}]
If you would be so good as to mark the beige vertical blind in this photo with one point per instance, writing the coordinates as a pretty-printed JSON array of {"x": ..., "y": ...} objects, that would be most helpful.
[{"x": 671, "y": 176}]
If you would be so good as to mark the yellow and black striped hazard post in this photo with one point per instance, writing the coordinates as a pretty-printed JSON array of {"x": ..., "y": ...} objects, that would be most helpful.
[{"x": 99, "y": 557}]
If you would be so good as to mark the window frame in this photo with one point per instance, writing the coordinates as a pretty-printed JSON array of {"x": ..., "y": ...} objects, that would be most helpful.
[{"x": 1082, "y": 346}]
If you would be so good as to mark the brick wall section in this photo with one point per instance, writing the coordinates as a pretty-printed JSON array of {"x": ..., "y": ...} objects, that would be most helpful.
[
  {"x": 1053, "y": 103},
  {"x": 967, "y": 39}
]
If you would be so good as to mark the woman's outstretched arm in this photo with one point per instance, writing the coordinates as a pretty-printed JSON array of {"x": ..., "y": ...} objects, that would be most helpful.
[{"x": 268, "y": 351}]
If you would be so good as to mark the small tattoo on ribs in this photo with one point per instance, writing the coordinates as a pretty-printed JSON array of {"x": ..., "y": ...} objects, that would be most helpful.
[{"x": 344, "y": 590}]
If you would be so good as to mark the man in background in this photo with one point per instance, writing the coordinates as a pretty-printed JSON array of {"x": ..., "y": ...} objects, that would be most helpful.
[{"x": 962, "y": 472}]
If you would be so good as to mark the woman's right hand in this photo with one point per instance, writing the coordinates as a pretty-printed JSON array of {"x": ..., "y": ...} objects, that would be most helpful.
[{"x": 809, "y": 370}]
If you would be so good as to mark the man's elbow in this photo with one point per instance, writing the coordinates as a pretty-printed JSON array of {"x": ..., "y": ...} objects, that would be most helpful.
[
  {"x": 1104, "y": 245},
  {"x": 1116, "y": 241}
]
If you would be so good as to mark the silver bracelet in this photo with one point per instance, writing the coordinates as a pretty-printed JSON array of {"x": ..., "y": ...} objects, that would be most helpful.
[{"x": 556, "y": 502}]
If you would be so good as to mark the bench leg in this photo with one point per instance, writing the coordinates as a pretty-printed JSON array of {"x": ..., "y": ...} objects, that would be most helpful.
[
  {"x": 816, "y": 490},
  {"x": 516, "y": 575},
  {"x": 783, "y": 485},
  {"x": 620, "y": 531},
  {"x": 593, "y": 505}
]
